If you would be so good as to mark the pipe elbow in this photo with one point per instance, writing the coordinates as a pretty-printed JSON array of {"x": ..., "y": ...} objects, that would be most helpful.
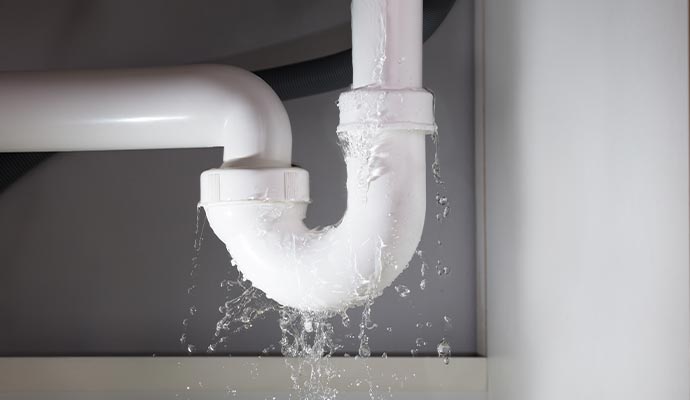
[{"x": 254, "y": 125}]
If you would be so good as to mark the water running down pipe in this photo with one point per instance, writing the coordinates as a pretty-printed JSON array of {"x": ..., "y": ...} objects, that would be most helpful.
[
  {"x": 256, "y": 202},
  {"x": 383, "y": 122}
]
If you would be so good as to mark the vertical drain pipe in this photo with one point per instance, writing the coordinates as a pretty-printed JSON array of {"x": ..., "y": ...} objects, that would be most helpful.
[
  {"x": 387, "y": 68},
  {"x": 387, "y": 43}
]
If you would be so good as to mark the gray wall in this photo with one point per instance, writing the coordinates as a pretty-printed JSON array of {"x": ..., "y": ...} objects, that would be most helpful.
[{"x": 97, "y": 247}]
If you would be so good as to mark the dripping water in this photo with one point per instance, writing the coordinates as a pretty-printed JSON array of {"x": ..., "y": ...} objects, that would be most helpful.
[
  {"x": 192, "y": 309},
  {"x": 307, "y": 339}
]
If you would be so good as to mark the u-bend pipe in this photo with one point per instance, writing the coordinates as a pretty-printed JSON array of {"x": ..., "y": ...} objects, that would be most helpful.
[{"x": 256, "y": 202}]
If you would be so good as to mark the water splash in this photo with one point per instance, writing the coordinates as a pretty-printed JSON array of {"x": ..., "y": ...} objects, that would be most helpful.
[
  {"x": 443, "y": 350},
  {"x": 402, "y": 290},
  {"x": 307, "y": 343},
  {"x": 307, "y": 339}
]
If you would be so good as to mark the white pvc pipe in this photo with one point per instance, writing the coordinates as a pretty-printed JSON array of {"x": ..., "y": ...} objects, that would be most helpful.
[
  {"x": 256, "y": 203},
  {"x": 383, "y": 128},
  {"x": 387, "y": 43},
  {"x": 342, "y": 265},
  {"x": 157, "y": 108}
]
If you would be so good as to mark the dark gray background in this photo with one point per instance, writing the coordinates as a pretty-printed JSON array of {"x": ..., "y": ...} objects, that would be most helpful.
[{"x": 96, "y": 248}]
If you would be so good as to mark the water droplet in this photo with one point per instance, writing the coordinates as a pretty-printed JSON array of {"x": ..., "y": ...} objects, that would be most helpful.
[
  {"x": 185, "y": 322},
  {"x": 446, "y": 211},
  {"x": 443, "y": 350},
  {"x": 442, "y": 200},
  {"x": 345, "y": 319},
  {"x": 402, "y": 290},
  {"x": 183, "y": 338},
  {"x": 191, "y": 349},
  {"x": 308, "y": 325},
  {"x": 192, "y": 310},
  {"x": 442, "y": 271},
  {"x": 422, "y": 284},
  {"x": 364, "y": 350},
  {"x": 389, "y": 329},
  {"x": 384, "y": 355},
  {"x": 447, "y": 322}
]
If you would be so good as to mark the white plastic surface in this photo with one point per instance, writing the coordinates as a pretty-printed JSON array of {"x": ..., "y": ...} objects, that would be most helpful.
[
  {"x": 154, "y": 108},
  {"x": 587, "y": 199},
  {"x": 387, "y": 43},
  {"x": 256, "y": 202},
  {"x": 343, "y": 265},
  {"x": 264, "y": 184},
  {"x": 383, "y": 129},
  {"x": 398, "y": 109}
]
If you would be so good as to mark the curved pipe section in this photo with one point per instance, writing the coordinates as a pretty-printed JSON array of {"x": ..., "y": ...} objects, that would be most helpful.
[
  {"x": 382, "y": 129},
  {"x": 256, "y": 202},
  {"x": 341, "y": 266},
  {"x": 153, "y": 108}
]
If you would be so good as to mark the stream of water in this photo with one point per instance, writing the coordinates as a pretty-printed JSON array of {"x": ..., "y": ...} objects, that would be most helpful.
[{"x": 307, "y": 338}]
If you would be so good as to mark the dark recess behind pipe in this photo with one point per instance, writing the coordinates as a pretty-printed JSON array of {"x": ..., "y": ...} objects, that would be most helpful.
[{"x": 289, "y": 82}]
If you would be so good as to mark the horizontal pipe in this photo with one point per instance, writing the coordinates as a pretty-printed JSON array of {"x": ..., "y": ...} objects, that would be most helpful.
[{"x": 157, "y": 108}]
